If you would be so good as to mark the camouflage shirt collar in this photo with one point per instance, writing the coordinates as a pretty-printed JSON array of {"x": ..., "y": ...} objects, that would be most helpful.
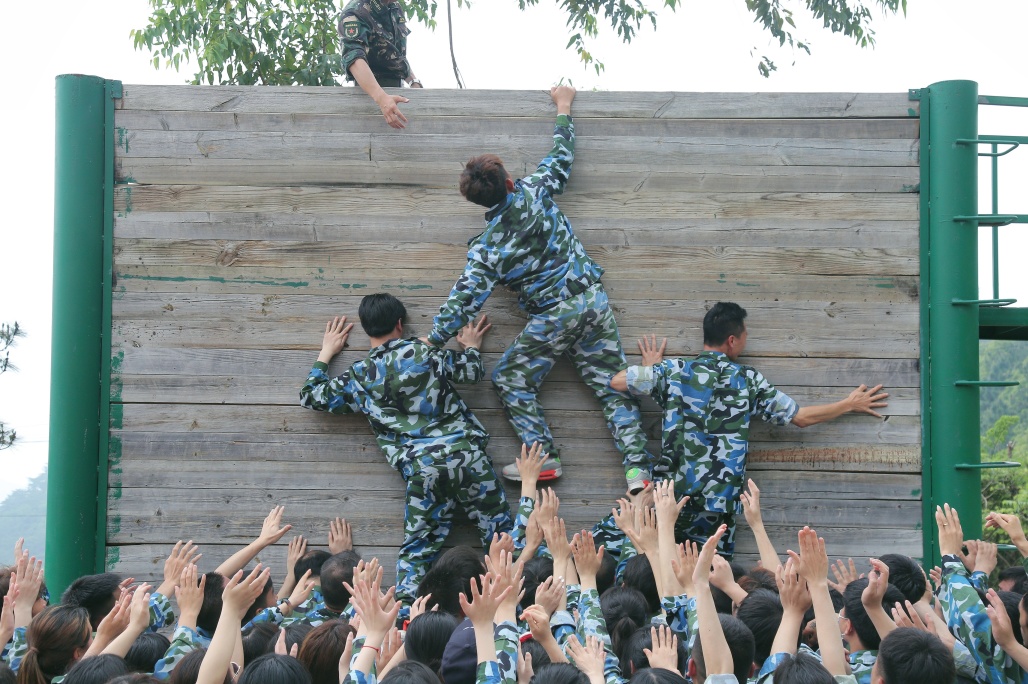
[
  {"x": 714, "y": 354},
  {"x": 383, "y": 349},
  {"x": 497, "y": 209}
]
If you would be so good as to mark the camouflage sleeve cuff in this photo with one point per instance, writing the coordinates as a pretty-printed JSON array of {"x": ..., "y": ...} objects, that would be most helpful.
[
  {"x": 565, "y": 120},
  {"x": 640, "y": 379},
  {"x": 436, "y": 338},
  {"x": 321, "y": 366}
]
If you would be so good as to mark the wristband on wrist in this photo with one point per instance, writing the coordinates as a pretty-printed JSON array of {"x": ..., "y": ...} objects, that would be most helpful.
[{"x": 373, "y": 648}]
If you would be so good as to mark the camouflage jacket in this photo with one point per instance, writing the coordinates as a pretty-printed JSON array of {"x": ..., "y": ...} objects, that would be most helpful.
[
  {"x": 183, "y": 642},
  {"x": 968, "y": 621},
  {"x": 375, "y": 31},
  {"x": 707, "y": 404},
  {"x": 861, "y": 664},
  {"x": 527, "y": 245},
  {"x": 405, "y": 388},
  {"x": 592, "y": 624},
  {"x": 503, "y": 670}
]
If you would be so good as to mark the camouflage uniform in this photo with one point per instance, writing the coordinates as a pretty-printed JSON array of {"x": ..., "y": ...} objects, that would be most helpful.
[
  {"x": 968, "y": 621},
  {"x": 375, "y": 31},
  {"x": 183, "y": 642},
  {"x": 528, "y": 246},
  {"x": 428, "y": 434},
  {"x": 707, "y": 404},
  {"x": 503, "y": 670}
]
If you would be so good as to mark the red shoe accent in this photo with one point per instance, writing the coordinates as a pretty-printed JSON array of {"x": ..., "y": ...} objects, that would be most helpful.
[{"x": 548, "y": 475}]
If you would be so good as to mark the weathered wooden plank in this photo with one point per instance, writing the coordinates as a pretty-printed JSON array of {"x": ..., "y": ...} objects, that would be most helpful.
[
  {"x": 587, "y": 177},
  {"x": 348, "y": 228},
  {"x": 232, "y": 418},
  {"x": 292, "y": 122},
  {"x": 244, "y": 363},
  {"x": 575, "y": 453},
  {"x": 636, "y": 262},
  {"x": 520, "y": 152},
  {"x": 637, "y": 206},
  {"x": 842, "y": 342},
  {"x": 282, "y": 390},
  {"x": 510, "y": 103}
]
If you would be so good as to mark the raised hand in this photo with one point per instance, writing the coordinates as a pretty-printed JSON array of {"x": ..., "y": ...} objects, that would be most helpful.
[
  {"x": 792, "y": 590},
  {"x": 986, "y": 558},
  {"x": 529, "y": 465},
  {"x": 865, "y": 400},
  {"x": 486, "y": 594},
  {"x": 272, "y": 530},
  {"x": 336, "y": 333},
  {"x": 471, "y": 334},
  {"x": 844, "y": 574},
  {"x": 667, "y": 506},
  {"x": 587, "y": 558},
  {"x": 587, "y": 658},
  {"x": 685, "y": 564},
  {"x": 241, "y": 591},
  {"x": 549, "y": 593},
  {"x": 189, "y": 595},
  {"x": 280, "y": 645},
  {"x": 301, "y": 592},
  {"x": 297, "y": 547},
  {"x": 664, "y": 653},
  {"x": 418, "y": 607},
  {"x": 340, "y": 536},
  {"x": 182, "y": 554},
  {"x": 751, "y": 504},
  {"x": 651, "y": 353},
  {"x": 951, "y": 534},
  {"x": 812, "y": 560}
]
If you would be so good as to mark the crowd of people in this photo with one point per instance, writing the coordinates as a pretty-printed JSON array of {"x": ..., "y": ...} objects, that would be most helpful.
[{"x": 538, "y": 606}]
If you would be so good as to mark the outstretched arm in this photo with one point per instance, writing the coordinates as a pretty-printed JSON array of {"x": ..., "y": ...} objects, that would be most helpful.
[
  {"x": 271, "y": 531},
  {"x": 861, "y": 400},
  {"x": 555, "y": 170}
]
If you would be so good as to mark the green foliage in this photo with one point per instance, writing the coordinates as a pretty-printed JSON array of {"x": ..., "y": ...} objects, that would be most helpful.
[
  {"x": 294, "y": 42},
  {"x": 9, "y": 335},
  {"x": 23, "y": 514}
]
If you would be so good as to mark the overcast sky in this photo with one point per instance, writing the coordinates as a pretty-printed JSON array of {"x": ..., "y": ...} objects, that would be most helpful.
[{"x": 708, "y": 45}]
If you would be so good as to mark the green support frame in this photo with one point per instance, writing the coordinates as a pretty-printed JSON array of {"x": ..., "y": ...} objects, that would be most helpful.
[{"x": 80, "y": 364}]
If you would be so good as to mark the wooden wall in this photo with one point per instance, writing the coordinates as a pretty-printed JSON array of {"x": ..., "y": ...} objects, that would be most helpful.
[{"x": 246, "y": 217}]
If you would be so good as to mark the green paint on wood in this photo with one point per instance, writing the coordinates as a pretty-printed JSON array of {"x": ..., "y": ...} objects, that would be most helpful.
[
  {"x": 911, "y": 111},
  {"x": 217, "y": 279},
  {"x": 915, "y": 492},
  {"x": 113, "y": 558},
  {"x": 916, "y": 187},
  {"x": 887, "y": 286},
  {"x": 117, "y": 411},
  {"x": 123, "y": 142},
  {"x": 747, "y": 284},
  {"x": 128, "y": 202}
]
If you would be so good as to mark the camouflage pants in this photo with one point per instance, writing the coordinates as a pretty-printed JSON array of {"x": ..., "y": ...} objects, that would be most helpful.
[
  {"x": 583, "y": 329},
  {"x": 694, "y": 524},
  {"x": 434, "y": 490}
]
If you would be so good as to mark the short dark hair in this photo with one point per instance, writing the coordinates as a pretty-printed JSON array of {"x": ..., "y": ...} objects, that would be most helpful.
[
  {"x": 427, "y": 636},
  {"x": 146, "y": 650},
  {"x": 296, "y": 632},
  {"x": 451, "y": 576},
  {"x": 721, "y": 321},
  {"x": 639, "y": 575},
  {"x": 97, "y": 670},
  {"x": 322, "y": 648},
  {"x": 559, "y": 673},
  {"x": 536, "y": 571},
  {"x": 272, "y": 668},
  {"x": 210, "y": 609},
  {"x": 312, "y": 560},
  {"x": 258, "y": 640},
  {"x": 531, "y": 647},
  {"x": 910, "y": 656},
  {"x": 624, "y": 611},
  {"x": 7, "y": 675},
  {"x": 484, "y": 180},
  {"x": 857, "y": 614},
  {"x": 906, "y": 575},
  {"x": 336, "y": 570},
  {"x": 761, "y": 611},
  {"x": 657, "y": 675},
  {"x": 607, "y": 574},
  {"x": 410, "y": 672},
  {"x": 802, "y": 668},
  {"x": 740, "y": 644},
  {"x": 188, "y": 669},
  {"x": 1015, "y": 573},
  {"x": 758, "y": 578},
  {"x": 95, "y": 593},
  {"x": 1011, "y": 601},
  {"x": 379, "y": 313},
  {"x": 133, "y": 678}
]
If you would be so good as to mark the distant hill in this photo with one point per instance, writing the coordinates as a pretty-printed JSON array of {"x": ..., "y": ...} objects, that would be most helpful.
[
  {"x": 23, "y": 514},
  {"x": 1000, "y": 360}
]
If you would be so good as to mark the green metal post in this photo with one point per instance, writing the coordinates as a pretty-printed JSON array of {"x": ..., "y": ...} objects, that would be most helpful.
[
  {"x": 953, "y": 329},
  {"x": 78, "y": 304}
]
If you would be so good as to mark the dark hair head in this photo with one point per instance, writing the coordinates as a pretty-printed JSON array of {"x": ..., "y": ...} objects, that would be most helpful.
[
  {"x": 905, "y": 574},
  {"x": 656, "y": 675},
  {"x": 639, "y": 575},
  {"x": 5, "y": 584},
  {"x": 296, "y": 632},
  {"x": 312, "y": 560},
  {"x": 336, "y": 570},
  {"x": 258, "y": 640},
  {"x": 1011, "y": 601},
  {"x": 758, "y": 578},
  {"x": 857, "y": 615},
  {"x": 536, "y": 571},
  {"x": 802, "y": 668},
  {"x": 379, "y": 313},
  {"x": 607, "y": 574},
  {"x": 740, "y": 644},
  {"x": 531, "y": 647},
  {"x": 427, "y": 636},
  {"x": 1016, "y": 574},
  {"x": 96, "y": 593},
  {"x": 210, "y": 610},
  {"x": 634, "y": 655},
  {"x": 410, "y": 672},
  {"x": 559, "y": 673},
  {"x": 146, "y": 651},
  {"x": 624, "y": 610},
  {"x": 265, "y": 600},
  {"x": 761, "y": 611},
  {"x": 322, "y": 648},
  {"x": 722, "y": 602},
  {"x": 188, "y": 669},
  {"x": 97, "y": 670},
  {"x": 721, "y": 321},
  {"x": 910, "y": 656},
  {"x": 272, "y": 668},
  {"x": 7, "y": 675},
  {"x": 451, "y": 576},
  {"x": 484, "y": 180},
  {"x": 134, "y": 678},
  {"x": 53, "y": 638}
]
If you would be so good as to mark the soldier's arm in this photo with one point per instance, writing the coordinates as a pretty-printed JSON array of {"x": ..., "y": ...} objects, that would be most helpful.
[
  {"x": 555, "y": 170},
  {"x": 770, "y": 403},
  {"x": 464, "y": 367},
  {"x": 466, "y": 299},
  {"x": 320, "y": 392},
  {"x": 861, "y": 400},
  {"x": 644, "y": 380},
  {"x": 356, "y": 34}
]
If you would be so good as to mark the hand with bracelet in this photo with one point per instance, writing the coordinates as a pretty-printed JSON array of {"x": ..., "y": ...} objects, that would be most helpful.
[{"x": 378, "y": 616}]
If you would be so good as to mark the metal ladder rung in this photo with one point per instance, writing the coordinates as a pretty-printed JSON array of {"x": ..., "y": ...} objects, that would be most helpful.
[
  {"x": 985, "y": 302},
  {"x": 988, "y": 219},
  {"x": 986, "y": 383},
  {"x": 988, "y": 465},
  {"x": 1014, "y": 144}
]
